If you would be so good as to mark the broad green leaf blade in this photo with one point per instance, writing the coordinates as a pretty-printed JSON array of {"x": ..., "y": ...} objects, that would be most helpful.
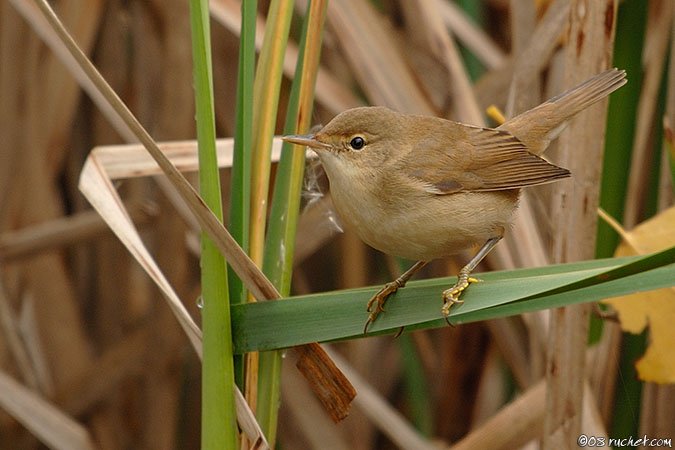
[
  {"x": 341, "y": 315},
  {"x": 639, "y": 282}
]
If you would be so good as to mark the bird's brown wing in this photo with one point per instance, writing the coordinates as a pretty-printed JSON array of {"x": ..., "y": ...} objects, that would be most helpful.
[{"x": 478, "y": 159}]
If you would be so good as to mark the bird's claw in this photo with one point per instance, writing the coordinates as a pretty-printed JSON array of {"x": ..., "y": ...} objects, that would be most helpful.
[
  {"x": 378, "y": 300},
  {"x": 451, "y": 295}
]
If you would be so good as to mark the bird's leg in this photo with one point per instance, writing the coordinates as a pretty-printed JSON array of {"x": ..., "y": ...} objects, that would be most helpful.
[
  {"x": 451, "y": 296},
  {"x": 376, "y": 303}
]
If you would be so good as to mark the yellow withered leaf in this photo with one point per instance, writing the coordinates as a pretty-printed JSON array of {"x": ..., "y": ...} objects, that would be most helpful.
[{"x": 655, "y": 309}]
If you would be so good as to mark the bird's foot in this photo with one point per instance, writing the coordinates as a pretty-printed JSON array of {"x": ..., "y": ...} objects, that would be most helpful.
[
  {"x": 451, "y": 295},
  {"x": 376, "y": 303}
]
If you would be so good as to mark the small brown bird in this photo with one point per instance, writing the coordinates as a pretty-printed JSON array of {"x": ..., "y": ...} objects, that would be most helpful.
[{"x": 422, "y": 187}]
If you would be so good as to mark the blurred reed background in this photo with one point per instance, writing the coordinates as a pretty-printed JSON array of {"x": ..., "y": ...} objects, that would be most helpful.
[{"x": 84, "y": 329}]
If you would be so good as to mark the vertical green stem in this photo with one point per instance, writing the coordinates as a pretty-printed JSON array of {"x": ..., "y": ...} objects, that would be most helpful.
[
  {"x": 280, "y": 242},
  {"x": 266, "y": 87},
  {"x": 240, "y": 190},
  {"x": 219, "y": 428},
  {"x": 622, "y": 110},
  {"x": 417, "y": 388},
  {"x": 267, "y": 84}
]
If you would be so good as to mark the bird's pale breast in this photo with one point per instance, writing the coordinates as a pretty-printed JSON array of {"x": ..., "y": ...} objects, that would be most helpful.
[{"x": 416, "y": 225}]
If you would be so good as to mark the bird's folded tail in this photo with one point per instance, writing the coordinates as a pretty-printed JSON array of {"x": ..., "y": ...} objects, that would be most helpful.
[{"x": 537, "y": 127}]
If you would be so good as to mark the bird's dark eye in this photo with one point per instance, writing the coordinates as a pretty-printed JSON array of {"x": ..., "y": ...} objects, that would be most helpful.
[{"x": 357, "y": 143}]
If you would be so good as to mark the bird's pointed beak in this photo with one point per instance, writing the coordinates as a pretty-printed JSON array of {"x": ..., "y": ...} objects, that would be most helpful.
[{"x": 308, "y": 140}]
